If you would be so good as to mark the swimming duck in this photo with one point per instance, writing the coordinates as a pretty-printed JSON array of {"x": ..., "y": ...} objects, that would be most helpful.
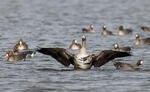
[
  {"x": 145, "y": 28},
  {"x": 91, "y": 30},
  {"x": 126, "y": 66},
  {"x": 21, "y": 45},
  {"x": 75, "y": 45},
  {"x": 144, "y": 41},
  {"x": 106, "y": 32},
  {"x": 123, "y": 31},
  {"x": 82, "y": 60},
  {"x": 12, "y": 57},
  {"x": 123, "y": 49}
]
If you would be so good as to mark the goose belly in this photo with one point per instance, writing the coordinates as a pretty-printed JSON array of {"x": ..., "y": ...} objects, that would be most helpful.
[{"x": 83, "y": 63}]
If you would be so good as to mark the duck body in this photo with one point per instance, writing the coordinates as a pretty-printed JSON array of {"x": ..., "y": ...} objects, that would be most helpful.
[
  {"x": 75, "y": 45},
  {"x": 145, "y": 28},
  {"x": 126, "y": 66},
  {"x": 106, "y": 32},
  {"x": 90, "y": 30},
  {"x": 144, "y": 41},
  {"x": 123, "y": 49},
  {"x": 123, "y": 31},
  {"x": 12, "y": 57}
]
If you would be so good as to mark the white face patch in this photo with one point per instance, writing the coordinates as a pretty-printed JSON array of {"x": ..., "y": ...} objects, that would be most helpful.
[
  {"x": 104, "y": 26},
  {"x": 20, "y": 42},
  {"x": 75, "y": 41},
  {"x": 142, "y": 63},
  {"x": 116, "y": 46},
  {"x": 6, "y": 56}
]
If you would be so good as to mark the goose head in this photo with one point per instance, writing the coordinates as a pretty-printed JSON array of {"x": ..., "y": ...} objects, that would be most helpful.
[{"x": 116, "y": 46}]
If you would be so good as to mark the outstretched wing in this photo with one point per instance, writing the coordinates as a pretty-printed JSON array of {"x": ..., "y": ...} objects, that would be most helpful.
[
  {"x": 60, "y": 54},
  {"x": 105, "y": 56}
]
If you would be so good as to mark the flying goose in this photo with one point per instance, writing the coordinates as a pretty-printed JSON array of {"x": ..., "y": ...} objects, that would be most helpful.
[
  {"x": 75, "y": 45},
  {"x": 145, "y": 28},
  {"x": 123, "y": 49},
  {"x": 91, "y": 30},
  {"x": 144, "y": 41},
  {"x": 21, "y": 45},
  {"x": 82, "y": 60},
  {"x": 106, "y": 32},
  {"x": 123, "y": 31},
  {"x": 126, "y": 66}
]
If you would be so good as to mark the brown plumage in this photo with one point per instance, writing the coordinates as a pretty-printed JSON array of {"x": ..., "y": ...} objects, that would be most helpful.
[
  {"x": 122, "y": 31},
  {"x": 90, "y": 30},
  {"x": 106, "y": 32},
  {"x": 126, "y": 66},
  {"x": 144, "y": 41},
  {"x": 145, "y": 28},
  {"x": 123, "y": 49},
  {"x": 75, "y": 45},
  {"x": 12, "y": 57},
  {"x": 21, "y": 45},
  {"x": 82, "y": 60}
]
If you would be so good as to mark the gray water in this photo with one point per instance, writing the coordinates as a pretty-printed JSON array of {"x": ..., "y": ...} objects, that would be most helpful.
[{"x": 55, "y": 23}]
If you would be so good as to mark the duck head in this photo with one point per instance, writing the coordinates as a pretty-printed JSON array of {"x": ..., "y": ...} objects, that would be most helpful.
[
  {"x": 116, "y": 46},
  {"x": 137, "y": 36},
  {"x": 140, "y": 62},
  {"x": 91, "y": 27},
  {"x": 104, "y": 27},
  {"x": 9, "y": 53},
  {"x": 21, "y": 41},
  {"x": 120, "y": 27}
]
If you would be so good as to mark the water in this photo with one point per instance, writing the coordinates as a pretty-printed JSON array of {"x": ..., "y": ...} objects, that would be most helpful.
[{"x": 55, "y": 23}]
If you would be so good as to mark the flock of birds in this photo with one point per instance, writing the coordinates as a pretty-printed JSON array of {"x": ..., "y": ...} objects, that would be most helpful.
[{"x": 82, "y": 59}]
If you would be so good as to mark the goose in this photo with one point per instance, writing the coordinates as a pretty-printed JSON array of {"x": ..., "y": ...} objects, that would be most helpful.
[
  {"x": 126, "y": 66},
  {"x": 91, "y": 30},
  {"x": 12, "y": 57},
  {"x": 21, "y": 45},
  {"x": 28, "y": 53},
  {"x": 123, "y": 31},
  {"x": 75, "y": 45},
  {"x": 106, "y": 32},
  {"x": 82, "y": 60},
  {"x": 144, "y": 41},
  {"x": 145, "y": 28},
  {"x": 123, "y": 49}
]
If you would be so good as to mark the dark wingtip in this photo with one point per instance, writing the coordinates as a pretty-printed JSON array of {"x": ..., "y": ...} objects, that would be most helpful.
[
  {"x": 123, "y": 54},
  {"x": 142, "y": 28}
]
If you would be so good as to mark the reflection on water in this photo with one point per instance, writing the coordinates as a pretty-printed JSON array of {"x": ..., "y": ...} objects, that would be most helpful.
[{"x": 56, "y": 23}]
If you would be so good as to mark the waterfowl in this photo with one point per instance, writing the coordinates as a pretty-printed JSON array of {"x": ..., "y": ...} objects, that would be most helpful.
[
  {"x": 126, "y": 66},
  {"x": 145, "y": 28},
  {"x": 12, "y": 57},
  {"x": 106, "y": 32},
  {"x": 75, "y": 45},
  {"x": 21, "y": 45},
  {"x": 82, "y": 60},
  {"x": 144, "y": 41},
  {"x": 90, "y": 30},
  {"x": 123, "y": 31},
  {"x": 28, "y": 53},
  {"x": 123, "y": 49}
]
